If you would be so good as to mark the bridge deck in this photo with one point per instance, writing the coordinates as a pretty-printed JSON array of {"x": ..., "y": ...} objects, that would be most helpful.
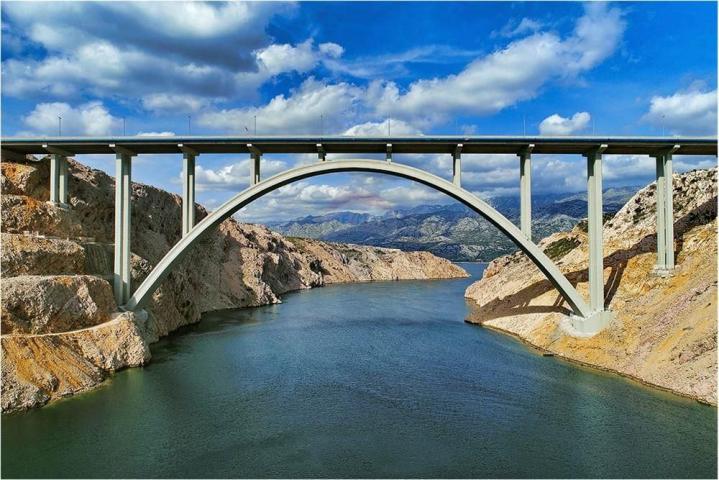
[{"x": 360, "y": 145}]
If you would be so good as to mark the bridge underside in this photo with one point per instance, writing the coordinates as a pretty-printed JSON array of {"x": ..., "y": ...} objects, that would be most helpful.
[{"x": 588, "y": 318}]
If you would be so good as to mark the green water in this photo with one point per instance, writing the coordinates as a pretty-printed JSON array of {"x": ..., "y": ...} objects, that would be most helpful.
[{"x": 370, "y": 380}]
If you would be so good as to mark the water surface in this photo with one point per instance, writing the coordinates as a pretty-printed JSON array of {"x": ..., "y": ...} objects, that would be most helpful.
[{"x": 370, "y": 380}]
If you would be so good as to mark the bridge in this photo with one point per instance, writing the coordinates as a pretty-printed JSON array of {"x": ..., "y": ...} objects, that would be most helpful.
[{"x": 587, "y": 319}]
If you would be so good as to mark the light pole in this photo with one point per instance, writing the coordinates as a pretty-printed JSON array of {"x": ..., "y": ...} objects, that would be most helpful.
[{"x": 59, "y": 126}]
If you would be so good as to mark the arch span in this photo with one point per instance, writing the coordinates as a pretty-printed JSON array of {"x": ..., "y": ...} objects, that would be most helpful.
[{"x": 177, "y": 252}]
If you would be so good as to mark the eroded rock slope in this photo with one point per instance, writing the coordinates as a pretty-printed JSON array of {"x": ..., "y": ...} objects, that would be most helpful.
[{"x": 665, "y": 330}]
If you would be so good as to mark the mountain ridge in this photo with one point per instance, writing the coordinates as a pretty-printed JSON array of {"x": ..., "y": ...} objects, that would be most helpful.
[{"x": 450, "y": 231}]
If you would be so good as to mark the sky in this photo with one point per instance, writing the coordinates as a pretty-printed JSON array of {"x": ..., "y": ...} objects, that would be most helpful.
[{"x": 505, "y": 68}]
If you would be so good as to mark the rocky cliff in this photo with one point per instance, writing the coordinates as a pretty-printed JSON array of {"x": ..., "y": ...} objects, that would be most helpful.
[
  {"x": 61, "y": 331},
  {"x": 665, "y": 330}
]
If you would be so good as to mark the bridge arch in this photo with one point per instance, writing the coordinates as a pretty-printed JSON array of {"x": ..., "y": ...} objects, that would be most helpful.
[{"x": 143, "y": 293}]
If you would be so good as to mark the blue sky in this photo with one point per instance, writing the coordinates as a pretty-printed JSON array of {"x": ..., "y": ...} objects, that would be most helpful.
[{"x": 344, "y": 68}]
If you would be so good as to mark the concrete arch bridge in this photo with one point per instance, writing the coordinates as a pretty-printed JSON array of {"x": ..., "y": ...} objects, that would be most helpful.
[{"x": 588, "y": 317}]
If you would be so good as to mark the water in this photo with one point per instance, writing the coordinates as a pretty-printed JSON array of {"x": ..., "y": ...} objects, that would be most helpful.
[{"x": 371, "y": 380}]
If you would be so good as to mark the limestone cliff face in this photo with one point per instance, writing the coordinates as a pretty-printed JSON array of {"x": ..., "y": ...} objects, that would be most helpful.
[
  {"x": 665, "y": 329},
  {"x": 61, "y": 332}
]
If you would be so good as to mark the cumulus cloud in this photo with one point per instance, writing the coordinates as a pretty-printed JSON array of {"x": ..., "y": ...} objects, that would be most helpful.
[
  {"x": 234, "y": 176},
  {"x": 692, "y": 112},
  {"x": 276, "y": 58},
  {"x": 91, "y": 118},
  {"x": 175, "y": 57},
  {"x": 167, "y": 102},
  {"x": 355, "y": 192},
  {"x": 507, "y": 76},
  {"x": 313, "y": 108},
  {"x": 387, "y": 127},
  {"x": 192, "y": 32},
  {"x": 486, "y": 85},
  {"x": 558, "y": 125}
]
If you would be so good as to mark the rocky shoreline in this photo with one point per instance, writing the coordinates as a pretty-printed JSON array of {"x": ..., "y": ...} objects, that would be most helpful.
[
  {"x": 61, "y": 331},
  {"x": 664, "y": 333}
]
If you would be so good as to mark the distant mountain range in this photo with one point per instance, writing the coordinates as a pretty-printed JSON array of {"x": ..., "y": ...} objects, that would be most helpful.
[{"x": 450, "y": 231}]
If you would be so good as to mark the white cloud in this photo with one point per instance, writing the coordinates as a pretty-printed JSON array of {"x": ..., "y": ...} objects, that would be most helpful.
[
  {"x": 691, "y": 112},
  {"x": 312, "y": 108},
  {"x": 235, "y": 176},
  {"x": 331, "y": 50},
  {"x": 558, "y": 125},
  {"x": 193, "y": 50},
  {"x": 514, "y": 29},
  {"x": 193, "y": 31},
  {"x": 368, "y": 193},
  {"x": 280, "y": 58},
  {"x": 505, "y": 77},
  {"x": 166, "y": 102},
  {"x": 277, "y": 58},
  {"x": 387, "y": 127},
  {"x": 488, "y": 84},
  {"x": 156, "y": 134},
  {"x": 87, "y": 119},
  {"x": 393, "y": 65}
]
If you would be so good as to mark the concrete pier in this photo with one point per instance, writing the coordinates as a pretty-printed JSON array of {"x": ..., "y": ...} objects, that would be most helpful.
[
  {"x": 123, "y": 214},
  {"x": 255, "y": 156},
  {"x": 595, "y": 213},
  {"x": 58, "y": 175},
  {"x": 525, "y": 191},
  {"x": 188, "y": 190},
  {"x": 665, "y": 212},
  {"x": 457, "y": 166}
]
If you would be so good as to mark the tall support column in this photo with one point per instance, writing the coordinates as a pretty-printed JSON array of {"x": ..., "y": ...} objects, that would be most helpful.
[
  {"x": 55, "y": 161},
  {"x": 62, "y": 180},
  {"x": 595, "y": 231},
  {"x": 123, "y": 213},
  {"x": 665, "y": 212},
  {"x": 126, "y": 218},
  {"x": 321, "y": 154},
  {"x": 660, "y": 193},
  {"x": 255, "y": 169},
  {"x": 58, "y": 174},
  {"x": 255, "y": 155},
  {"x": 669, "y": 211},
  {"x": 389, "y": 153},
  {"x": 188, "y": 191},
  {"x": 525, "y": 191},
  {"x": 457, "y": 166}
]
